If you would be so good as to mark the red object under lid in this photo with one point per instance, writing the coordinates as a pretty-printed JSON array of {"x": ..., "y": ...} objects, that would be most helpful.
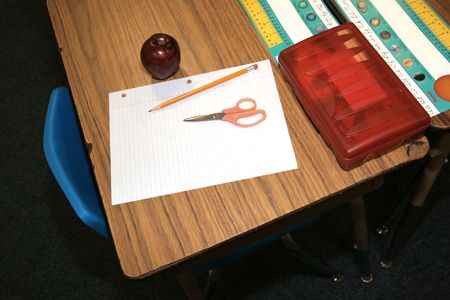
[{"x": 351, "y": 95}]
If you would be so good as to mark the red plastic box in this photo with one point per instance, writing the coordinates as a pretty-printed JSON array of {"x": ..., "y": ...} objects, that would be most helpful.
[{"x": 351, "y": 95}]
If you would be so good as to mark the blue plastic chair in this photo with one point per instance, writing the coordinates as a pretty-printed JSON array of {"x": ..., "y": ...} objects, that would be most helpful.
[{"x": 67, "y": 158}]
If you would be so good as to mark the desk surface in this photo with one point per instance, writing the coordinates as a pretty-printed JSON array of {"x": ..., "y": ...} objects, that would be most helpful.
[{"x": 100, "y": 43}]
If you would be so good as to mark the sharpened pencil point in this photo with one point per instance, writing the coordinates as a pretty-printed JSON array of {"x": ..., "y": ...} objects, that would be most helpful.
[{"x": 154, "y": 108}]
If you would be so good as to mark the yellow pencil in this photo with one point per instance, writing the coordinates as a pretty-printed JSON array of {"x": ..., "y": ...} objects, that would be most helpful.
[{"x": 204, "y": 87}]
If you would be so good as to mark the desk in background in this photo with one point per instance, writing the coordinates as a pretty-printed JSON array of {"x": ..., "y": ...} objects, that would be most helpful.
[
  {"x": 100, "y": 43},
  {"x": 401, "y": 223}
]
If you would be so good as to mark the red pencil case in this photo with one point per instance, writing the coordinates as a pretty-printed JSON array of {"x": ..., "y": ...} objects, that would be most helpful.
[{"x": 351, "y": 95}]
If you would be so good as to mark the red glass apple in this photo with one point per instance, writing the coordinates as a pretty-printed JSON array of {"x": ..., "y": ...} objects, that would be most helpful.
[{"x": 160, "y": 55}]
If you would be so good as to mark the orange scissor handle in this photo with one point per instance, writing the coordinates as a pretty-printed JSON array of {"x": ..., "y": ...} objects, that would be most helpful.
[{"x": 244, "y": 108}]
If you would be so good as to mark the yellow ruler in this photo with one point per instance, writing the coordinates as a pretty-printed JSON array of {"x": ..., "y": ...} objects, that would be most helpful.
[
  {"x": 430, "y": 18},
  {"x": 262, "y": 22}
]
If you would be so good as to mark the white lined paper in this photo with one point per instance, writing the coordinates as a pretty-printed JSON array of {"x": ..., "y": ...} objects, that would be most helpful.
[{"x": 156, "y": 153}]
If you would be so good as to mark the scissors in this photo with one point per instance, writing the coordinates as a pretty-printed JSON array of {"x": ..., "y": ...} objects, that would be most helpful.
[{"x": 244, "y": 108}]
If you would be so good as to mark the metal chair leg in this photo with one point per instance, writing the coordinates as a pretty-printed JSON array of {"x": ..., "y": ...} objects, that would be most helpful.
[
  {"x": 211, "y": 282},
  {"x": 313, "y": 263},
  {"x": 191, "y": 286},
  {"x": 391, "y": 223},
  {"x": 401, "y": 235},
  {"x": 361, "y": 240}
]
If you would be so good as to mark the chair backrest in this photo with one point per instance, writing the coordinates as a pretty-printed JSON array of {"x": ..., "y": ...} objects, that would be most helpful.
[{"x": 66, "y": 155}]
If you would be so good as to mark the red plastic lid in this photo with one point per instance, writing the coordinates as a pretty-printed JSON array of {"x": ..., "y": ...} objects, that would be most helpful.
[{"x": 351, "y": 95}]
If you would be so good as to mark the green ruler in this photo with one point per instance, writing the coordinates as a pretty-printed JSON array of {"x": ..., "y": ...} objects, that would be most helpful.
[
  {"x": 267, "y": 25},
  {"x": 267, "y": 16}
]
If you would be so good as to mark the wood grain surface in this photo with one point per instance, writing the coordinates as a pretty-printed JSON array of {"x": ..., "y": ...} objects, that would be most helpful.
[{"x": 100, "y": 41}]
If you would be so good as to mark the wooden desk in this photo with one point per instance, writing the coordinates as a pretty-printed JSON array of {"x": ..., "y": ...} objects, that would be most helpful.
[
  {"x": 100, "y": 43},
  {"x": 403, "y": 220}
]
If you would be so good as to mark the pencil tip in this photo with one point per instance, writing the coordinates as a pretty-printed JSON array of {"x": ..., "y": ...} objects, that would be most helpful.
[{"x": 154, "y": 108}]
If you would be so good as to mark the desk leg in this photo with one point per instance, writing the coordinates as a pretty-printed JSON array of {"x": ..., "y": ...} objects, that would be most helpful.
[
  {"x": 191, "y": 286},
  {"x": 440, "y": 148},
  {"x": 361, "y": 240}
]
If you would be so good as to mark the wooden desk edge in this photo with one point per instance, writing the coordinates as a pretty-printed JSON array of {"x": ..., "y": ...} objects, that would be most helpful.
[
  {"x": 441, "y": 122},
  {"x": 261, "y": 232},
  {"x": 416, "y": 149}
]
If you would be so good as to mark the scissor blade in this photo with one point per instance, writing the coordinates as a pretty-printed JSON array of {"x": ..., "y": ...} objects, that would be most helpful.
[{"x": 210, "y": 117}]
